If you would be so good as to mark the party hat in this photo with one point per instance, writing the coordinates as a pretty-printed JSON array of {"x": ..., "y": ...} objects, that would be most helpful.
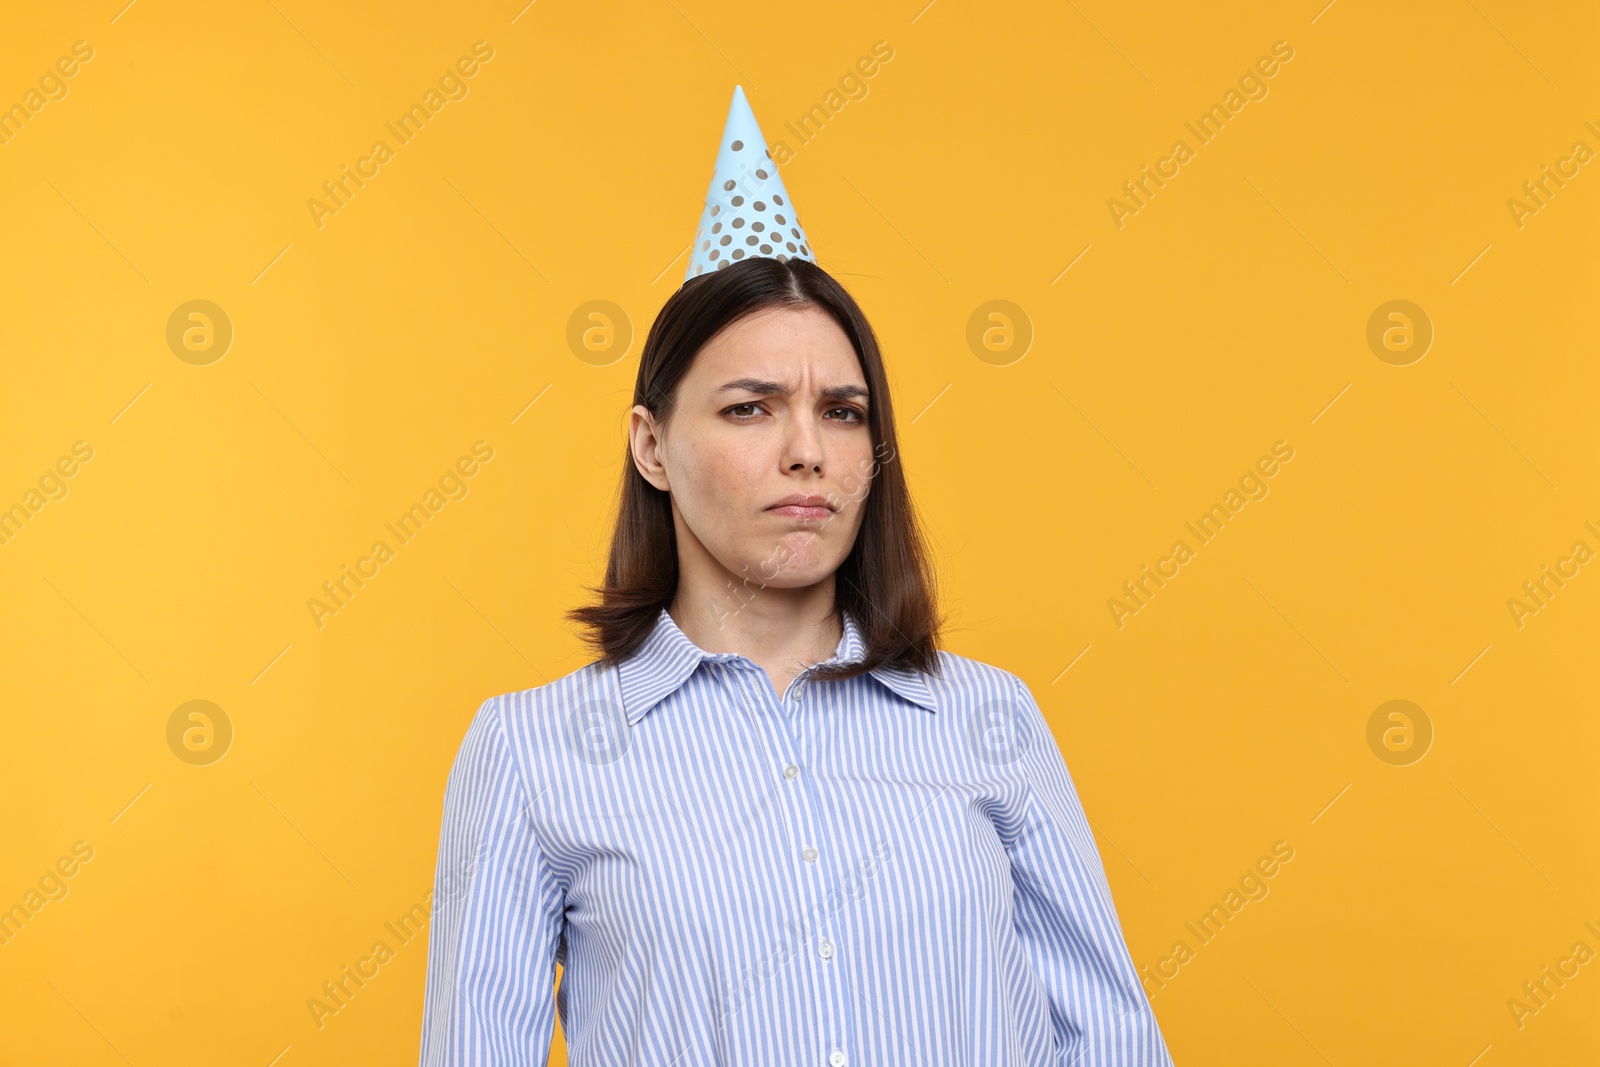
[{"x": 747, "y": 210}]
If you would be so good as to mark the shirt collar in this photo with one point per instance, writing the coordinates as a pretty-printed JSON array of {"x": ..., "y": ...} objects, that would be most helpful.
[{"x": 667, "y": 658}]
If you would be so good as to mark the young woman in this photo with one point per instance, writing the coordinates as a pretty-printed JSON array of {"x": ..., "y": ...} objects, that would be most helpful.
[{"x": 772, "y": 823}]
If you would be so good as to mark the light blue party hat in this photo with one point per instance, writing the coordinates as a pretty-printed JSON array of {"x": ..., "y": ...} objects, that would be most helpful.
[{"x": 747, "y": 210}]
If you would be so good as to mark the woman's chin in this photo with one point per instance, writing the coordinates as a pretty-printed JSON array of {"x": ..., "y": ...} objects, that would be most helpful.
[{"x": 793, "y": 563}]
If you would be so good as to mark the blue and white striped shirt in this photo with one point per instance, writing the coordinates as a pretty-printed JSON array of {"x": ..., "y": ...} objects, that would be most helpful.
[{"x": 890, "y": 869}]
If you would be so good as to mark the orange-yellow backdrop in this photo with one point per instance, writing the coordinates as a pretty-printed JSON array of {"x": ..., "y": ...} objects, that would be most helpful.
[{"x": 1146, "y": 356}]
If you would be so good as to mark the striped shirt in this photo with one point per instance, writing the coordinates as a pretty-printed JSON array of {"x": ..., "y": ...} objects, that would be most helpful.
[{"x": 890, "y": 869}]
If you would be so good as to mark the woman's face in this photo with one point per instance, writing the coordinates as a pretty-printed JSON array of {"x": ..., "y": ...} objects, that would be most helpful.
[{"x": 773, "y": 407}]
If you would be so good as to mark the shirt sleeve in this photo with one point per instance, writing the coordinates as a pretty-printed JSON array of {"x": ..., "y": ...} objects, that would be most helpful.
[
  {"x": 497, "y": 916},
  {"x": 1065, "y": 917}
]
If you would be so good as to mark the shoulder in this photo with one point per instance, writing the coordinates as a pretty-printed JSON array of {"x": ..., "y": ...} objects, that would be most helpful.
[
  {"x": 585, "y": 683},
  {"x": 998, "y": 715},
  {"x": 965, "y": 683},
  {"x": 535, "y": 720}
]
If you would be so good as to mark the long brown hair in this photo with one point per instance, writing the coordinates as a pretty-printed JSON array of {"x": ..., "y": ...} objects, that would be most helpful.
[{"x": 886, "y": 582}]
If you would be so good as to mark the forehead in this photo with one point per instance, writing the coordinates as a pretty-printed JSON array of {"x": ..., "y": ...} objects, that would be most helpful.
[{"x": 783, "y": 344}]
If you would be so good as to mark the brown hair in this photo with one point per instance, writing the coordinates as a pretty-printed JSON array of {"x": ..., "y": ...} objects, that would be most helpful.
[{"x": 885, "y": 582}]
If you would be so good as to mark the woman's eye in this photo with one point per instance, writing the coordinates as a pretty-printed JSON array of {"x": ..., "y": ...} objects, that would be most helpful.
[{"x": 748, "y": 411}]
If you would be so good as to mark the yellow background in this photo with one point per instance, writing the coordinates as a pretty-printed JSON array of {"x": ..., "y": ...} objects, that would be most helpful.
[{"x": 432, "y": 311}]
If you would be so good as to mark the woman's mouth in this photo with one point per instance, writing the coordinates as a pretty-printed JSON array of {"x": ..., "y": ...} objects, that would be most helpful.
[
  {"x": 802, "y": 506},
  {"x": 802, "y": 511}
]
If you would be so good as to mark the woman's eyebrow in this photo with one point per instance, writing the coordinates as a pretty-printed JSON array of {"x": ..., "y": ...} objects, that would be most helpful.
[{"x": 767, "y": 388}]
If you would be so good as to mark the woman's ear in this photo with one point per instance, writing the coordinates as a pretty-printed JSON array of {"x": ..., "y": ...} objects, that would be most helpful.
[{"x": 644, "y": 443}]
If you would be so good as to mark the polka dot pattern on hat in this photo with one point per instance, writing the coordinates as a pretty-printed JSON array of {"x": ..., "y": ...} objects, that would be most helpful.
[{"x": 747, "y": 205}]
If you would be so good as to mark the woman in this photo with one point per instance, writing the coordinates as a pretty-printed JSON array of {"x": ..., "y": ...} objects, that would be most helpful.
[{"x": 772, "y": 824}]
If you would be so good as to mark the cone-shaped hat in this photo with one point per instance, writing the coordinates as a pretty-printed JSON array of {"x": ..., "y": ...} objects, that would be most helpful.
[{"x": 747, "y": 212}]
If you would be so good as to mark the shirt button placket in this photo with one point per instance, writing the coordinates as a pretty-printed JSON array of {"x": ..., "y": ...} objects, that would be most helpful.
[
  {"x": 811, "y": 888},
  {"x": 825, "y": 946}
]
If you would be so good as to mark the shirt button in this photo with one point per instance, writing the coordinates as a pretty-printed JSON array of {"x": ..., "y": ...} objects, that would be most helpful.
[
  {"x": 791, "y": 771},
  {"x": 837, "y": 1058},
  {"x": 808, "y": 854},
  {"x": 825, "y": 950}
]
